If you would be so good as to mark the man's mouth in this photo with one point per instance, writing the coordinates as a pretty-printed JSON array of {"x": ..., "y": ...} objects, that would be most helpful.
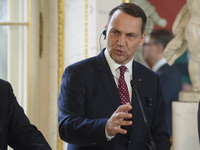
[{"x": 119, "y": 52}]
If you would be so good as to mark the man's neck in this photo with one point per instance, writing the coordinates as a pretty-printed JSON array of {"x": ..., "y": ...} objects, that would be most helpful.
[{"x": 159, "y": 64}]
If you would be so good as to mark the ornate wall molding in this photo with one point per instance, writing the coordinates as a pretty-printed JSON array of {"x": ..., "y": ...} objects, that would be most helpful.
[
  {"x": 125, "y": 1},
  {"x": 60, "y": 55},
  {"x": 29, "y": 58}
]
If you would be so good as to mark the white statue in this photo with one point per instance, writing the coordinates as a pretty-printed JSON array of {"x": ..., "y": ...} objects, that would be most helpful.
[
  {"x": 186, "y": 29},
  {"x": 152, "y": 19},
  {"x": 152, "y": 16}
]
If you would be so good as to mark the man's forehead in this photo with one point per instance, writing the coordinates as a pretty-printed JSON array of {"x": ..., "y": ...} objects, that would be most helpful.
[{"x": 129, "y": 25}]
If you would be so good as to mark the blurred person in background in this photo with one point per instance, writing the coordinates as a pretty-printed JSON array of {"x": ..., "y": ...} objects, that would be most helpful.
[{"x": 170, "y": 78}]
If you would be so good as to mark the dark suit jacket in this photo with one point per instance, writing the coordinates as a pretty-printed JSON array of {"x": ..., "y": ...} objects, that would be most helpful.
[
  {"x": 89, "y": 96},
  {"x": 170, "y": 81},
  {"x": 15, "y": 128}
]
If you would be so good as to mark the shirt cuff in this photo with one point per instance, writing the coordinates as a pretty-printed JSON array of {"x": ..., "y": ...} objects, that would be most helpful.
[{"x": 108, "y": 137}]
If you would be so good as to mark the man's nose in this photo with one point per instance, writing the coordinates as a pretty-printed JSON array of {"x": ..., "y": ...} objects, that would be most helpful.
[{"x": 121, "y": 41}]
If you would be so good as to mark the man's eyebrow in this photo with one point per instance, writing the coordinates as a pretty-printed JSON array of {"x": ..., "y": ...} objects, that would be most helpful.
[
  {"x": 132, "y": 33},
  {"x": 114, "y": 29}
]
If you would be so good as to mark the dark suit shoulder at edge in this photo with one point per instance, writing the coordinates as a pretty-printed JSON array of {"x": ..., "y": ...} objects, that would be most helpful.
[{"x": 142, "y": 69}]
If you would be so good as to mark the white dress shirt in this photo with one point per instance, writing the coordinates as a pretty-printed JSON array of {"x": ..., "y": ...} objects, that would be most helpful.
[
  {"x": 159, "y": 64},
  {"x": 114, "y": 67}
]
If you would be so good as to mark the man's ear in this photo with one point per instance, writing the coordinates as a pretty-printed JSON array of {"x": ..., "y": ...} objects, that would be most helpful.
[{"x": 142, "y": 39}]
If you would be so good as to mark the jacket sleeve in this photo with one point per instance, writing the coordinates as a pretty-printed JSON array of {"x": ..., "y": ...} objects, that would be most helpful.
[
  {"x": 74, "y": 125},
  {"x": 21, "y": 133}
]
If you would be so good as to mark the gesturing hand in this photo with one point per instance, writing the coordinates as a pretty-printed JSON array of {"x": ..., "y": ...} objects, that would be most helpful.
[{"x": 114, "y": 123}]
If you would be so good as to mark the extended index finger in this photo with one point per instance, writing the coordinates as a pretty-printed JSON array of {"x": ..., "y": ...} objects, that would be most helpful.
[{"x": 124, "y": 108}]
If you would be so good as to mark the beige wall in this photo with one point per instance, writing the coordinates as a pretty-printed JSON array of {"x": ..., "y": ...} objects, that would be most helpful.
[{"x": 43, "y": 106}]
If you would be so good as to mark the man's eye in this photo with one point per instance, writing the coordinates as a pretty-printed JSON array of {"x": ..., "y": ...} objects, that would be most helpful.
[
  {"x": 130, "y": 35},
  {"x": 115, "y": 32}
]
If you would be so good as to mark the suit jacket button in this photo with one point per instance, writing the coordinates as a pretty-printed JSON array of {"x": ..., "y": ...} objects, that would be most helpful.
[{"x": 129, "y": 142}]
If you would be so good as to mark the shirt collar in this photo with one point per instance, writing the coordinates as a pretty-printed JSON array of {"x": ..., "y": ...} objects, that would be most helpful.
[
  {"x": 159, "y": 64},
  {"x": 114, "y": 66}
]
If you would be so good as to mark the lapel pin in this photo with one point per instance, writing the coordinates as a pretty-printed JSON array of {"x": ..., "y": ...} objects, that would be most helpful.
[{"x": 140, "y": 79}]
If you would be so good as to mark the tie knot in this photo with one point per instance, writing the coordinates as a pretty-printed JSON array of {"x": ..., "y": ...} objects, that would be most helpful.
[{"x": 122, "y": 69}]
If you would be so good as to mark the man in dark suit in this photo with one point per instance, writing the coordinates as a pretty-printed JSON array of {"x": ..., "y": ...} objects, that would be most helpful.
[
  {"x": 170, "y": 78},
  {"x": 91, "y": 114},
  {"x": 15, "y": 128}
]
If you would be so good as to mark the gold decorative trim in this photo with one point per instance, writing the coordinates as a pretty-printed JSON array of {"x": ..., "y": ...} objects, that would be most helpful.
[
  {"x": 41, "y": 35},
  {"x": 125, "y": 1},
  {"x": 15, "y": 23},
  {"x": 29, "y": 59},
  {"x": 60, "y": 56},
  {"x": 86, "y": 28},
  {"x": 11, "y": 38}
]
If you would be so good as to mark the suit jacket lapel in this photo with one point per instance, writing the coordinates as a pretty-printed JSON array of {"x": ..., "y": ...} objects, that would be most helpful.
[
  {"x": 106, "y": 77},
  {"x": 136, "y": 108}
]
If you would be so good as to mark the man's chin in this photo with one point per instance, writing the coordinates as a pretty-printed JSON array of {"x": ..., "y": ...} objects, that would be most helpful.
[
  {"x": 121, "y": 62},
  {"x": 118, "y": 59}
]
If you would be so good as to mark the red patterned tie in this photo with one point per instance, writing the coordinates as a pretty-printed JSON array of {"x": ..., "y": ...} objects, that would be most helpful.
[{"x": 122, "y": 87}]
